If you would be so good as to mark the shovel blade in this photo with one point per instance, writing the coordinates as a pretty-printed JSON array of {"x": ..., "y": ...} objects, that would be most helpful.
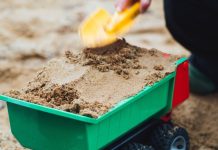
[{"x": 92, "y": 30}]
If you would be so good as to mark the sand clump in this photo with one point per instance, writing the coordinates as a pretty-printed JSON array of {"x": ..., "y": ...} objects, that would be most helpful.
[
  {"x": 119, "y": 57},
  {"x": 159, "y": 67},
  {"x": 92, "y": 82}
]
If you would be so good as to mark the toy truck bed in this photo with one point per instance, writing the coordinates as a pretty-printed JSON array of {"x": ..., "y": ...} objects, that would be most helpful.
[{"x": 38, "y": 127}]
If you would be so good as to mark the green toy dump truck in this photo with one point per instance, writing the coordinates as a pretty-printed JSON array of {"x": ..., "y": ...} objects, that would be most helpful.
[{"x": 143, "y": 119}]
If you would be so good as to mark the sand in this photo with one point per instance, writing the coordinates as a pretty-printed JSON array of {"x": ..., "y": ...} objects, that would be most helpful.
[
  {"x": 51, "y": 29},
  {"x": 199, "y": 116},
  {"x": 92, "y": 82}
]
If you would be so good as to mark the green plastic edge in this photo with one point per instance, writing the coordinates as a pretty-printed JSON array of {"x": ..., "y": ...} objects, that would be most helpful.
[{"x": 113, "y": 110}]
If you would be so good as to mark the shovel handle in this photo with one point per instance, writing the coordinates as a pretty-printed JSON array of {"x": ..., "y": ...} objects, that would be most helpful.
[
  {"x": 131, "y": 12},
  {"x": 120, "y": 18}
]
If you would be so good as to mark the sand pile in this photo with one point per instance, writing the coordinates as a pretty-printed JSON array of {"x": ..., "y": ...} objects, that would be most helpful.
[{"x": 92, "y": 82}]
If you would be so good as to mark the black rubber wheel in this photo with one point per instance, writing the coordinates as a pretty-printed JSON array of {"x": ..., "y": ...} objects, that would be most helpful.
[
  {"x": 169, "y": 137},
  {"x": 136, "y": 146}
]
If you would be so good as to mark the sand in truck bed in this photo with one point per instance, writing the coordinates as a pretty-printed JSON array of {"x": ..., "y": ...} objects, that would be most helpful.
[{"x": 92, "y": 82}]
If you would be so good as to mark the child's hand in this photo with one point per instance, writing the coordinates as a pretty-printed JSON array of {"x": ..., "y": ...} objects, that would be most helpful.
[{"x": 124, "y": 4}]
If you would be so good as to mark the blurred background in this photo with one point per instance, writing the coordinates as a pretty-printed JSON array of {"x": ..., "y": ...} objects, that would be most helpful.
[{"x": 33, "y": 32}]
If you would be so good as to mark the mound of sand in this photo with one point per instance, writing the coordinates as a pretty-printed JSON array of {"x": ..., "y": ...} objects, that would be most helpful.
[{"x": 92, "y": 82}]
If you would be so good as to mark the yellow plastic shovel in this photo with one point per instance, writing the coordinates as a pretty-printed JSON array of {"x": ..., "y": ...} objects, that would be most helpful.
[{"x": 101, "y": 28}]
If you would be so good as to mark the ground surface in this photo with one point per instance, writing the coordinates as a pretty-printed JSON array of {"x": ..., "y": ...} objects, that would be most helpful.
[{"x": 33, "y": 32}]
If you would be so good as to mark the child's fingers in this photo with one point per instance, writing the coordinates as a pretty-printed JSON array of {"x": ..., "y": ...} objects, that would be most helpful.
[
  {"x": 144, "y": 5},
  {"x": 123, "y": 4}
]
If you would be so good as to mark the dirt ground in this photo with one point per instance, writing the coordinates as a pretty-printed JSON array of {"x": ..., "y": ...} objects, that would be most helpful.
[{"x": 33, "y": 32}]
